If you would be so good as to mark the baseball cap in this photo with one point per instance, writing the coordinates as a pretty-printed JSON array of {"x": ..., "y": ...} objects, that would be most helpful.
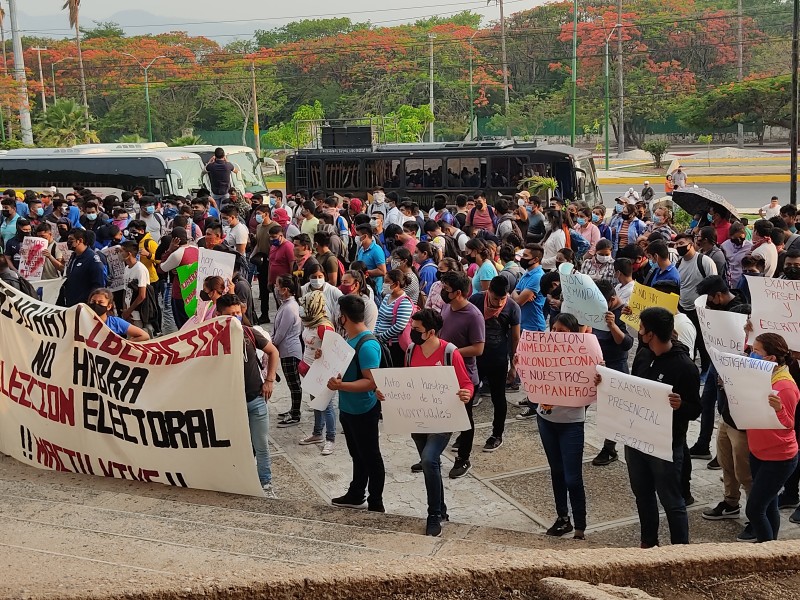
[{"x": 355, "y": 205}]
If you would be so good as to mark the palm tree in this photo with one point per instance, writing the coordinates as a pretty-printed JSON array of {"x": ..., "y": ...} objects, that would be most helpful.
[
  {"x": 73, "y": 6},
  {"x": 64, "y": 125}
]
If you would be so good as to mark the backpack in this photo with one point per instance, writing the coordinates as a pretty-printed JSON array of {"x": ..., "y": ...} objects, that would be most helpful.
[
  {"x": 149, "y": 311},
  {"x": 404, "y": 339},
  {"x": 492, "y": 215},
  {"x": 514, "y": 228},
  {"x": 20, "y": 283},
  {"x": 580, "y": 245},
  {"x": 386, "y": 356},
  {"x": 449, "y": 350},
  {"x": 451, "y": 247},
  {"x": 700, "y": 266}
]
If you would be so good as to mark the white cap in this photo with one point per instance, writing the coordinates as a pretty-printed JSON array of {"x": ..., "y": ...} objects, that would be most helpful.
[{"x": 647, "y": 183}]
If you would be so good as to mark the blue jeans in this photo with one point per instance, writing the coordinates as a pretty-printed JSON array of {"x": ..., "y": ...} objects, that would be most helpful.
[
  {"x": 650, "y": 476},
  {"x": 325, "y": 418},
  {"x": 430, "y": 447},
  {"x": 563, "y": 446},
  {"x": 258, "y": 418},
  {"x": 762, "y": 503}
]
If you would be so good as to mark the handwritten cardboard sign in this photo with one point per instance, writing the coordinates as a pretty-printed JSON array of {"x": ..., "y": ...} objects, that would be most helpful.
[
  {"x": 721, "y": 329},
  {"x": 644, "y": 297},
  {"x": 776, "y": 308},
  {"x": 581, "y": 297},
  {"x": 421, "y": 400},
  {"x": 635, "y": 412},
  {"x": 116, "y": 268},
  {"x": 31, "y": 259},
  {"x": 558, "y": 368},
  {"x": 748, "y": 384},
  {"x": 336, "y": 357},
  {"x": 213, "y": 262}
]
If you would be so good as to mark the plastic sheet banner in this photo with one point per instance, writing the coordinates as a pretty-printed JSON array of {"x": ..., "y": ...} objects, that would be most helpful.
[
  {"x": 76, "y": 397},
  {"x": 776, "y": 308}
]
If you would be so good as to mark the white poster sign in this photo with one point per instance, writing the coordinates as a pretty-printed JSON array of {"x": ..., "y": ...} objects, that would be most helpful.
[
  {"x": 213, "y": 262},
  {"x": 31, "y": 257},
  {"x": 748, "y": 384},
  {"x": 721, "y": 329},
  {"x": 776, "y": 308},
  {"x": 635, "y": 412},
  {"x": 421, "y": 400},
  {"x": 581, "y": 297},
  {"x": 336, "y": 357},
  {"x": 76, "y": 397},
  {"x": 116, "y": 268}
]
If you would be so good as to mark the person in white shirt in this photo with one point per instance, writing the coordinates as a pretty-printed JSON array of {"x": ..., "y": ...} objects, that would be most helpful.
[
  {"x": 136, "y": 280},
  {"x": 631, "y": 196},
  {"x": 623, "y": 271},
  {"x": 679, "y": 178},
  {"x": 763, "y": 246},
  {"x": 237, "y": 236},
  {"x": 393, "y": 214},
  {"x": 316, "y": 282},
  {"x": 773, "y": 209}
]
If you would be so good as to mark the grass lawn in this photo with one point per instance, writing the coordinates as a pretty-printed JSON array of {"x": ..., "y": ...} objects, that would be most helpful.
[{"x": 275, "y": 178}]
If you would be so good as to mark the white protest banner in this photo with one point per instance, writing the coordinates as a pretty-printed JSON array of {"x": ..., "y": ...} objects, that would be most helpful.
[
  {"x": 48, "y": 289},
  {"x": 336, "y": 357},
  {"x": 776, "y": 308},
  {"x": 213, "y": 262},
  {"x": 748, "y": 384},
  {"x": 644, "y": 297},
  {"x": 31, "y": 259},
  {"x": 76, "y": 397},
  {"x": 635, "y": 412},
  {"x": 721, "y": 329},
  {"x": 421, "y": 400},
  {"x": 116, "y": 268},
  {"x": 558, "y": 368},
  {"x": 581, "y": 298}
]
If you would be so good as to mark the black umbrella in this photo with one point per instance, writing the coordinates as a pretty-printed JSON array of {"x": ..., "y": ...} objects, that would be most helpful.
[{"x": 695, "y": 200}]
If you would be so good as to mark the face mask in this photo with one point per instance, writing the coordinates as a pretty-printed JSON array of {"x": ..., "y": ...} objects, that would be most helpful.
[
  {"x": 39, "y": 212},
  {"x": 657, "y": 220},
  {"x": 91, "y": 216},
  {"x": 259, "y": 219},
  {"x": 98, "y": 309},
  {"x": 653, "y": 264},
  {"x": 604, "y": 259},
  {"x": 204, "y": 296},
  {"x": 23, "y": 234},
  {"x": 756, "y": 355},
  {"x": 470, "y": 259},
  {"x": 525, "y": 263},
  {"x": 114, "y": 242},
  {"x": 150, "y": 209},
  {"x": 197, "y": 214},
  {"x": 6, "y": 214},
  {"x": 693, "y": 223},
  {"x": 316, "y": 283},
  {"x": 447, "y": 297},
  {"x": 439, "y": 275},
  {"x": 170, "y": 213},
  {"x": 395, "y": 263},
  {"x": 791, "y": 273},
  {"x": 416, "y": 337},
  {"x": 618, "y": 208},
  {"x": 520, "y": 202},
  {"x": 737, "y": 241},
  {"x": 272, "y": 200},
  {"x": 581, "y": 221},
  {"x": 275, "y": 243},
  {"x": 346, "y": 289},
  {"x": 226, "y": 223},
  {"x": 709, "y": 217},
  {"x": 387, "y": 289},
  {"x": 379, "y": 197},
  {"x": 119, "y": 223},
  {"x": 135, "y": 236},
  {"x": 373, "y": 223},
  {"x": 70, "y": 245},
  {"x": 595, "y": 218},
  {"x": 682, "y": 250},
  {"x": 238, "y": 318}
]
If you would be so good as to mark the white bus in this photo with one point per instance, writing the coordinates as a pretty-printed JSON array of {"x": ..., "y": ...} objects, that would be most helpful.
[{"x": 104, "y": 171}]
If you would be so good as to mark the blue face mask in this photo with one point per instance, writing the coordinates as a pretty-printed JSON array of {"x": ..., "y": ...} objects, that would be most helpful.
[
  {"x": 259, "y": 219},
  {"x": 91, "y": 216},
  {"x": 709, "y": 218},
  {"x": 618, "y": 208},
  {"x": 275, "y": 243},
  {"x": 756, "y": 355},
  {"x": 595, "y": 218},
  {"x": 653, "y": 264},
  {"x": 150, "y": 209},
  {"x": 581, "y": 221},
  {"x": 693, "y": 223},
  {"x": 238, "y": 318},
  {"x": 656, "y": 219},
  {"x": 39, "y": 212},
  {"x": 272, "y": 200},
  {"x": 170, "y": 213}
]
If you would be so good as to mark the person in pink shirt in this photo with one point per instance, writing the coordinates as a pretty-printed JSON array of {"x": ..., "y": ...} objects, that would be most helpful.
[
  {"x": 773, "y": 452},
  {"x": 588, "y": 230},
  {"x": 482, "y": 216},
  {"x": 281, "y": 257}
]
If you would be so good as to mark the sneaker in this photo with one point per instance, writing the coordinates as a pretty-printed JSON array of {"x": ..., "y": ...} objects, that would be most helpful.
[
  {"x": 434, "y": 526},
  {"x": 349, "y": 502},
  {"x": 747, "y": 535},
  {"x": 561, "y": 527},
  {"x": 689, "y": 500},
  {"x": 289, "y": 421},
  {"x": 605, "y": 457},
  {"x": 795, "y": 518},
  {"x": 416, "y": 467},
  {"x": 327, "y": 448},
  {"x": 492, "y": 444},
  {"x": 376, "y": 507},
  {"x": 700, "y": 452},
  {"x": 523, "y": 402},
  {"x": 579, "y": 535},
  {"x": 477, "y": 401},
  {"x": 283, "y": 415},
  {"x": 787, "y": 501},
  {"x": 721, "y": 511},
  {"x": 713, "y": 465},
  {"x": 312, "y": 439},
  {"x": 528, "y": 413},
  {"x": 460, "y": 468},
  {"x": 269, "y": 491}
]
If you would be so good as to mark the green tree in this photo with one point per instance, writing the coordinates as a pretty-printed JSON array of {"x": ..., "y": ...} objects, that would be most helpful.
[
  {"x": 131, "y": 138},
  {"x": 103, "y": 29},
  {"x": 306, "y": 29},
  {"x": 657, "y": 148},
  {"x": 466, "y": 18},
  {"x": 526, "y": 116},
  {"x": 294, "y": 134},
  {"x": 408, "y": 123},
  {"x": 187, "y": 140},
  {"x": 63, "y": 125}
]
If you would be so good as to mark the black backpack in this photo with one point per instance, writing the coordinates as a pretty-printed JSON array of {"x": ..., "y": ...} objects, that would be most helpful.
[
  {"x": 22, "y": 284},
  {"x": 386, "y": 356},
  {"x": 451, "y": 247},
  {"x": 149, "y": 310}
]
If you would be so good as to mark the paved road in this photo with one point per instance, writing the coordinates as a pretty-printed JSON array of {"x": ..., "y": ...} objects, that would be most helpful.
[{"x": 741, "y": 195}]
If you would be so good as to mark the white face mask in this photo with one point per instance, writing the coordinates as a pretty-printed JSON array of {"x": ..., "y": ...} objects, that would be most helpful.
[
  {"x": 379, "y": 197},
  {"x": 604, "y": 259},
  {"x": 521, "y": 202},
  {"x": 316, "y": 283}
]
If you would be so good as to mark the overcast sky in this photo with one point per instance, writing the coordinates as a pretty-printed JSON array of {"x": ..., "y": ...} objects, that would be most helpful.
[{"x": 43, "y": 16}]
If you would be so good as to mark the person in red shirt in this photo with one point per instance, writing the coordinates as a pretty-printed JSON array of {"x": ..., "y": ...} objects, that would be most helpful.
[
  {"x": 427, "y": 350},
  {"x": 773, "y": 452},
  {"x": 281, "y": 257},
  {"x": 721, "y": 220}
]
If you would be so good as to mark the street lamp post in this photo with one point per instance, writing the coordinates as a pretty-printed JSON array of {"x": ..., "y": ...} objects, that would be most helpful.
[
  {"x": 146, "y": 90},
  {"x": 471, "y": 94},
  {"x": 431, "y": 37},
  {"x": 574, "y": 69},
  {"x": 607, "y": 89}
]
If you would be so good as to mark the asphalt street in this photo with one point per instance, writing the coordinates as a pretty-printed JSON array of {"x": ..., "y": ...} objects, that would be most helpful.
[{"x": 741, "y": 195}]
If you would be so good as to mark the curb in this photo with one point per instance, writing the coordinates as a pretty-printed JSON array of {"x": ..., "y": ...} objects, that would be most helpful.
[{"x": 702, "y": 179}]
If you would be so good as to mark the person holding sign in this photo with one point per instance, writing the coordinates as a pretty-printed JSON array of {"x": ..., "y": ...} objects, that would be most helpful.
[
  {"x": 427, "y": 350},
  {"x": 773, "y": 452},
  {"x": 315, "y": 324},
  {"x": 561, "y": 432},
  {"x": 662, "y": 359},
  {"x": 359, "y": 410}
]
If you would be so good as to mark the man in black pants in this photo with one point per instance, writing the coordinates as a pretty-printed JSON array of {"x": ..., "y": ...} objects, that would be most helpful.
[{"x": 502, "y": 316}]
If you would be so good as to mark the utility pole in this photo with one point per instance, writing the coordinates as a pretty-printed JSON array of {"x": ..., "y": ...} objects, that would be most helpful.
[
  {"x": 509, "y": 133},
  {"x": 41, "y": 77},
  {"x": 256, "y": 132},
  {"x": 574, "y": 69},
  {"x": 608, "y": 91},
  {"x": 472, "y": 134},
  {"x": 739, "y": 58},
  {"x": 620, "y": 82},
  {"x": 795, "y": 65},
  {"x": 19, "y": 74},
  {"x": 431, "y": 37}
]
